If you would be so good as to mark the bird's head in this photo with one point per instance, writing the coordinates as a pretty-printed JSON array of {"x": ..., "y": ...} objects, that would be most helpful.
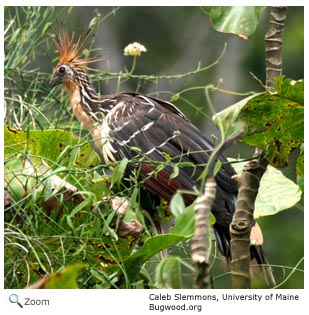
[
  {"x": 63, "y": 73},
  {"x": 70, "y": 61}
]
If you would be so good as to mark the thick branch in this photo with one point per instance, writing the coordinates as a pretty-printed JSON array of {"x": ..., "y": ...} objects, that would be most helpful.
[
  {"x": 273, "y": 45},
  {"x": 240, "y": 228}
]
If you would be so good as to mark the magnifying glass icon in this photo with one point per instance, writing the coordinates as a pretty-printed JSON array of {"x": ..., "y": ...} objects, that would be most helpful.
[{"x": 13, "y": 298}]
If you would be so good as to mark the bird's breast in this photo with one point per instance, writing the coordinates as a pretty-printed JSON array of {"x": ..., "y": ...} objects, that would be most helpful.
[{"x": 86, "y": 119}]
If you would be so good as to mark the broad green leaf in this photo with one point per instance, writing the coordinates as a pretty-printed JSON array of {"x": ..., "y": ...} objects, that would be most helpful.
[
  {"x": 66, "y": 278},
  {"x": 50, "y": 145},
  {"x": 238, "y": 20},
  {"x": 279, "y": 126},
  {"x": 290, "y": 89},
  {"x": 25, "y": 176},
  {"x": 185, "y": 223},
  {"x": 271, "y": 122},
  {"x": 16, "y": 179},
  {"x": 276, "y": 192},
  {"x": 168, "y": 273},
  {"x": 185, "y": 217},
  {"x": 151, "y": 247},
  {"x": 229, "y": 117}
]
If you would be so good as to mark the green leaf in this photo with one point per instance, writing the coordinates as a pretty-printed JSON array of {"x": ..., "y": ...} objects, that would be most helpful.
[
  {"x": 238, "y": 20},
  {"x": 15, "y": 179},
  {"x": 276, "y": 192},
  {"x": 50, "y": 145},
  {"x": 177, "y": 204},
  {"x": 290, "y": 89},
  {"x": 118, "y": 172},
  {"x": 217, "y": 167},
  {"x": 271, "y": 122},
  {"x": 279, "y": 126},
  {"x": 168, "y": 273},
  {"x": 80, "y": 207},
  {"x": 175, "y": 172},
  {"x": 151, "y": 247},
  {"x": 24, "y": 176},
  {"x": 185, "y": 223},
  {"x": 66, "y": 278},
  {"x": 229, "y": 117}
]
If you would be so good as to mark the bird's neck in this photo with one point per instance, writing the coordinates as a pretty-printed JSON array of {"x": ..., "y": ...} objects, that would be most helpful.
[{"x": 87, "y": 105}]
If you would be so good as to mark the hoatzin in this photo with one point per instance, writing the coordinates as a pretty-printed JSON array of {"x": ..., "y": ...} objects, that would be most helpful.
[{"x": 146, "y": 129}]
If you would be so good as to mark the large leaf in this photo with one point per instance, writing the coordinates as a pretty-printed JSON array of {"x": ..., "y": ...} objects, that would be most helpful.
[
  {"x": 168, "y": 273},
  {"x": 17, "y": 180},
  {"x": 276, "y": 192},
  {"x": 185, "y": 223},
  {"x": 50, "y": 145},
  {"x": 241, "y": 21},
  {"x": 151, "y": 247},
  {"x": 290, "y": 89},
  {"x": 271, "y": 122},
  {"x": 279, "y": 123},
  {"x": 65, "y": 279}
]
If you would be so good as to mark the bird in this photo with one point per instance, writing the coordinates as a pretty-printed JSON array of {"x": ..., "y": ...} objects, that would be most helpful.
[{"x": 148, "y": 132}]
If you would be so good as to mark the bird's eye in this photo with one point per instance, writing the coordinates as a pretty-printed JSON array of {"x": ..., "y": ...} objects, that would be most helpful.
[{"x": 62, "y": 69}]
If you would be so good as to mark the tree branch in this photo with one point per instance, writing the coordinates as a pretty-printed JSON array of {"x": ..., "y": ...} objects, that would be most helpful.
[
  {"x": 240, "y": 228},
  {"x": 273, "y": 45}
]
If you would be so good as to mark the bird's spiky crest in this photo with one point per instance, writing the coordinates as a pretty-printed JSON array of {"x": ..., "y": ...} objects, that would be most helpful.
[{"x": 70, "y": 51}]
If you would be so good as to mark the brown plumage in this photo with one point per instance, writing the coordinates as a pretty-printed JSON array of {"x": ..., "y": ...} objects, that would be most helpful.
[{"x": 146, "y": 130}]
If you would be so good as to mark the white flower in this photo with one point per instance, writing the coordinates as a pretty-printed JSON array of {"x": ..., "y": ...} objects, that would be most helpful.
[{"x": 134, "y": 49}]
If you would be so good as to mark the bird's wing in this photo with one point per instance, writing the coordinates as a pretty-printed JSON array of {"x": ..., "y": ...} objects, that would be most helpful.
[
  {"x": 153, "y": 133},
  {"x": 156, "y": 137},
  {"x": 140, "y": 126}
]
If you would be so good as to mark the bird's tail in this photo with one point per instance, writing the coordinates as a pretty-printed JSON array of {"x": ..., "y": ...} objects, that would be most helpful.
[{"x": 258, "y": 253}]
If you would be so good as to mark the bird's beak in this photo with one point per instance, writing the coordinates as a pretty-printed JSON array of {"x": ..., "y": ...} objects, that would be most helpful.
[{"x": 55, "y": 80}]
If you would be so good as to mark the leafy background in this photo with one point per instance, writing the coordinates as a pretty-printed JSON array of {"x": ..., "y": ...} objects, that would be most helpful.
[{"x": 171, "y": 50}]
